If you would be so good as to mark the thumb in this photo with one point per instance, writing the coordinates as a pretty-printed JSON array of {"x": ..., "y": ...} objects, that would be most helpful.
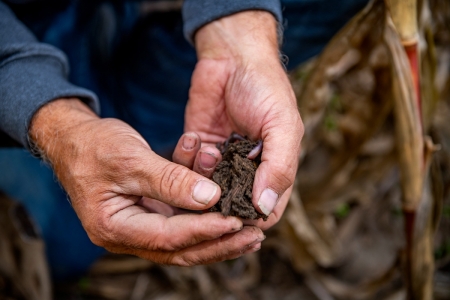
[
  {"x": 276, "y": 173},
  {"x": 178, "y": 186}
]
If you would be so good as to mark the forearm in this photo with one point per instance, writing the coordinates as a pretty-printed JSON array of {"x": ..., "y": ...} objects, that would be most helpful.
[
  {"x": 240, "y": 36},
  {"x": 53, "y": 122}
]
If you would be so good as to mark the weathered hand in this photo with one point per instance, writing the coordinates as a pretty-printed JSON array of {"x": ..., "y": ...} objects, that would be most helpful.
[
  {"x": 124, "y": 193},
  {"x": 240, "y": 85}
]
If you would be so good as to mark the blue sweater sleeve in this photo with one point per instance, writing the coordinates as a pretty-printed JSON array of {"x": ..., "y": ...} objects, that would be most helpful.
[
  {"x": 197, "y": 13},
  {"x": 31, "y": 75}
]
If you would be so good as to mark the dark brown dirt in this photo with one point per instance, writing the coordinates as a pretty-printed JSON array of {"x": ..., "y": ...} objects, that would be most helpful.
[{"x": 235, "y": 175}]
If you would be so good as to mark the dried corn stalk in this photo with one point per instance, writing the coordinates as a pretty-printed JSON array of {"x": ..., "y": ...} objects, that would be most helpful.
[
  {"x": 360, "y": 89},
  {"x": 22, "y": 258}
]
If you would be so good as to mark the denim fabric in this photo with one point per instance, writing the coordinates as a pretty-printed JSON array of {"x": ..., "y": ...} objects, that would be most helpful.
[
  {"x": 140, "y": 68},
  {"x": 24, "y": 178}
]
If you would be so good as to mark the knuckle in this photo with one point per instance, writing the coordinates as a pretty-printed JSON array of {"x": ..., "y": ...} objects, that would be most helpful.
[
  {"x": 101, "y": 230},
  {"x": 158, "y": 242},
  {"x": 182, "y": 262},
  {"x": 285, "y": 175},
  {"x": 97, "y": 237},
  {"x": 173, "y": 180},
  {"x": 164, "y": 240},
  {"x": 161, "y": 245}
]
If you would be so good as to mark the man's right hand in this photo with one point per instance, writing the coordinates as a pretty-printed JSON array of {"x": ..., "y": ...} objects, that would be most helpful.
[{"x": 124, "y": 193}]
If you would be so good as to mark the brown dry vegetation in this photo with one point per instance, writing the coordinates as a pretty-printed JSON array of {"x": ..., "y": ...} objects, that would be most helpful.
[{"x": 342, "y": 235}]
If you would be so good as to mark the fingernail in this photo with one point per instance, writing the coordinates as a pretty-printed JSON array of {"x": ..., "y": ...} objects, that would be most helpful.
[
  {"x": 236, "y": 229},
  {"x": 267, "y": 201},
  {"x": 207, "y": 160},
  {"x": 257, "y": 241},
  {"x": 252, "y": 248},
  {"x": 204, "y": 191},
  {"x": 255, "y": 151},
  {"x": 189, "y": 141}
]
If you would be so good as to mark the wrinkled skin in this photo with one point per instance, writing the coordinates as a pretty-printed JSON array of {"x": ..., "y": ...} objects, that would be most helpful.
[
  {"x": 132, "y": 201},
  {"x": 245, "y": 89}
]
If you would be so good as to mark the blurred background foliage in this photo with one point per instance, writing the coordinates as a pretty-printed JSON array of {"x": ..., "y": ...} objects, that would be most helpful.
[{"x": 343, "y": 233}]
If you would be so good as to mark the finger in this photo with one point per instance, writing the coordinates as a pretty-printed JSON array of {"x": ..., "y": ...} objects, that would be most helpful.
[
  {"x": 229, "y": 246},
  {"x": 206, "y": 161},
  {"x": 186, "y": 149},
  {"x": 279, "y": 161},
  {"x": 171, "y": 183},
  {"x": 276, "y": 214},
  {"x": 135, "y": 228},
  {"x": 155, "y": 206}
]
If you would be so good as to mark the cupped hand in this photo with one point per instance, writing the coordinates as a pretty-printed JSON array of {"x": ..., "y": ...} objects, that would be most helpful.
[
  {"x": 239, "y": 85},
  {"x": 131, "y": 200}
]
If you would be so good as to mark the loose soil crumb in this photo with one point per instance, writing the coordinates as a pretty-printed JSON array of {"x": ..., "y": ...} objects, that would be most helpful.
[{"x": 235, "y": 175}]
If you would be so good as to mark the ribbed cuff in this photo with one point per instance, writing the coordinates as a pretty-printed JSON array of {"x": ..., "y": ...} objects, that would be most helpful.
[{"x": 197, "y": 13}]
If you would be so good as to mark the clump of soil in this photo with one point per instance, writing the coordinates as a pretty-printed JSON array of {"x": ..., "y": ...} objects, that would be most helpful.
[{"x": 235, "y": 175}]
